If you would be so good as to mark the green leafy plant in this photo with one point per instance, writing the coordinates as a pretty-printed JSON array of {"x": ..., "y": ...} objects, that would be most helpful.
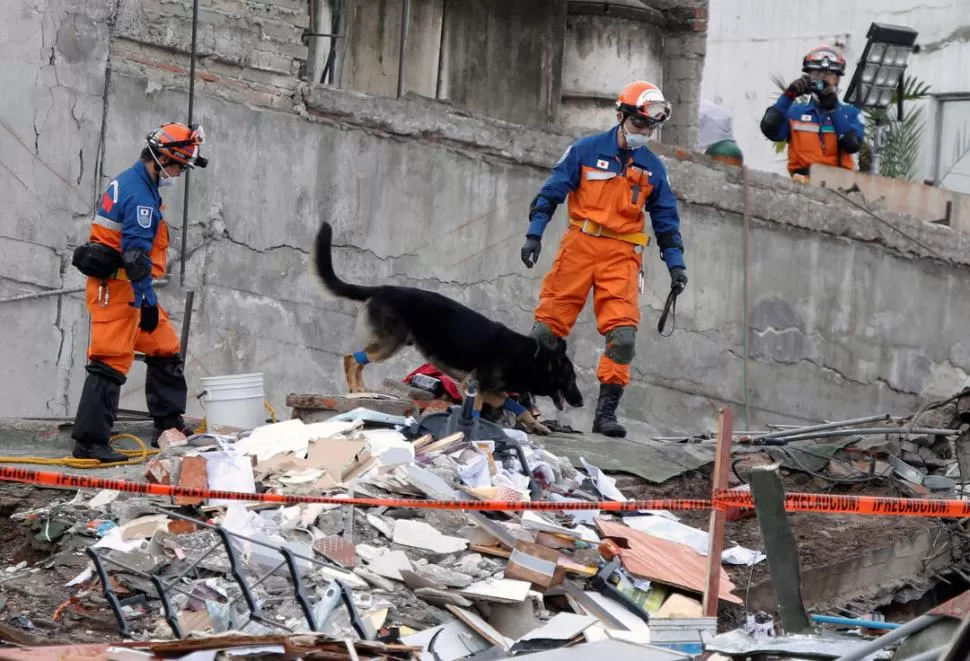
[
  {"x": 903, "y": 137},
  {"x": 961, "y": 147}
]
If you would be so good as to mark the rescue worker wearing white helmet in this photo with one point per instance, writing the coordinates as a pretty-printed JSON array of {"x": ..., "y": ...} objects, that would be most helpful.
[
  {"x": 822, "y": 130},
  {"x": 610, "y": 179}
]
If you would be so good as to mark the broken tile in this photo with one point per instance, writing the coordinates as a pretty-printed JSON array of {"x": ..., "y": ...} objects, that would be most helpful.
[
  {"x": 338, "y": 549},
  {"x": 430, "y": 484},
  {"x": 503, "y": 590},
  {"x": 390, "y": 564},
  {"x": 480, "y": 626},
  {"x": 441, "y": 597},
  {"x": 385, "y": 526},
  {"x": 563, "y": 626},
  {"x": 444, "y": 576},
  {"x": 423, "y": 536}
]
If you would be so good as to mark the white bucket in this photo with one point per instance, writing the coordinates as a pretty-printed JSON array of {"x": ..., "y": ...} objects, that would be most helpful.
[{"x": 234, "y": 400}]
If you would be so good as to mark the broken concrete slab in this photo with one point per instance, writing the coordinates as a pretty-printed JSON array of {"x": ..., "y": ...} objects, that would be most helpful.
[
  {"x": 419, "y": 534},
  {"x": 654, "y": 461}
]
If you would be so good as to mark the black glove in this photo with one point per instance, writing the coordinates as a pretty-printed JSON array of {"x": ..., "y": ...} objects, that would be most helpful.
[
  {"x": 828, "y": 98},
  {"x": 530, "y": 250},
  {"x": 149, "y": 318},
  {"x": 678, "y": 279},
  {"x": 799, "y": 86}
]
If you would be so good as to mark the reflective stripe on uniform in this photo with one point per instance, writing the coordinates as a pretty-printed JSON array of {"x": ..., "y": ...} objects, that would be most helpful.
[
  {"x": 596, "y": 175},
  {"x": 107, "y": 223}
]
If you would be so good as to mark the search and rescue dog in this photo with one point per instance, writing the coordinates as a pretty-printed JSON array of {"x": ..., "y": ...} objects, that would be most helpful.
[{"x": 454, "y": 338}]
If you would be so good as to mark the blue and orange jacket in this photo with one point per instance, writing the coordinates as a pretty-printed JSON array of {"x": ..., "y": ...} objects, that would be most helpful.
[
  {"x": 813, "y": 134},
  {"x": 130, "y": 217},
  {"x": 612, "y": 187}
]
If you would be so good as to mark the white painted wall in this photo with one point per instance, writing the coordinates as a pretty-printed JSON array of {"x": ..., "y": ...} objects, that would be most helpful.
[{"x": 751, "y": 39}]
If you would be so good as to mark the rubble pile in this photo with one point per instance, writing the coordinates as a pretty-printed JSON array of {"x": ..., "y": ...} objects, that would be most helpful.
[
  {"x": 461, "y": 582},
  {"x": 437, "y": 583}
]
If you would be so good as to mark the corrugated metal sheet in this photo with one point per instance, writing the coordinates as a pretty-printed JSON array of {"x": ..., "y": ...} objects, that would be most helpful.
[{"x": 664, "y": 561}]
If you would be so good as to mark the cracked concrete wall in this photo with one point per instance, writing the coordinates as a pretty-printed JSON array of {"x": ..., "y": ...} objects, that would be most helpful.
[
  {"x": 423, "y": 195},
  {"x": 50, "y": 134},
  {"x": 847, "y": 316}
]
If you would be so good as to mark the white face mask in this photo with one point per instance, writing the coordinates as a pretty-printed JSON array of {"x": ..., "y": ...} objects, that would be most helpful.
[
  {"x": 635, "y": 140},
  {"x": 163, "y": 182}
]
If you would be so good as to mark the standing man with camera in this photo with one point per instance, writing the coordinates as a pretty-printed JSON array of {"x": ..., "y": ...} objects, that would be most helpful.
[
  {"x": 126, "y": 250},
  {"x": 822, "y": 130}
]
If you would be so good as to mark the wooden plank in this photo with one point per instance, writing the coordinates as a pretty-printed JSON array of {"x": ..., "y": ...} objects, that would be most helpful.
[
  {"x": 780, "y": 547},
  {"x": 722, "y": 472}
]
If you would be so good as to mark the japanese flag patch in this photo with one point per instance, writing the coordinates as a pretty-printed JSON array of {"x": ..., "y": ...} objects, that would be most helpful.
[
  {"x": 603, "y": 164},
  {"x": 144, "y": 216}
]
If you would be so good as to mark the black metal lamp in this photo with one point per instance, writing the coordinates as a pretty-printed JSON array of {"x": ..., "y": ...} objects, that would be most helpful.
[{"x": 879, "y": 75}]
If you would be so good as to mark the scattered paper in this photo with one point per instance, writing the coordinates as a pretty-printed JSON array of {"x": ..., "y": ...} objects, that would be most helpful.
[
  {"x": 605, "y": 484},
  {"x": 675, "y": 531},
  {"x": 228, "y": 471}
]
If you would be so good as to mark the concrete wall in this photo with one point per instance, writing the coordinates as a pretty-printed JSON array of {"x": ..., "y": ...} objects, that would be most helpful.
[
  {"x": 840, "y": 325},
  {"x": 930, "y": 204},
  {"x": 602, "y": 54},
  {"x": 748, "y": 40}
]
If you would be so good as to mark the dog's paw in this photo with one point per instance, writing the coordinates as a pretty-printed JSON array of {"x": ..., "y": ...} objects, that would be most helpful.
[{"x": 532, "y": 425}]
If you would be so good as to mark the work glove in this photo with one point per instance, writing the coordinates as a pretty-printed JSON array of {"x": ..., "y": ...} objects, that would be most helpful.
[
  {"x": 798, "y": 87},
  {"x": 828, "y": 99},
  {"x": 149, "y": 318},
  {"x": 678, "y": 279},
  {"x": 531, "y": 250}
]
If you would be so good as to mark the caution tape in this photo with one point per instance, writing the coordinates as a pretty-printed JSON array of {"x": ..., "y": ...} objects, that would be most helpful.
[
  {"x": 865, "y": 505},
  {"x": 52, "y": 479},
  {"x": 794, "y": 502}
]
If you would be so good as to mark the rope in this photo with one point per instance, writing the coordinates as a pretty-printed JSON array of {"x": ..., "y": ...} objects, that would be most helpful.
[
  {"x": 269, "y": 409},
  {"x": 134, "y": 456}
]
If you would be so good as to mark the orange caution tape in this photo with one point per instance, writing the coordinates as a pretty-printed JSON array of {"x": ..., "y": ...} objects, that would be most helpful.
[
  {"x": 51, "y": 479},
  {"x": 794, "y": 502},
  {"x": 866, "y": 505}
]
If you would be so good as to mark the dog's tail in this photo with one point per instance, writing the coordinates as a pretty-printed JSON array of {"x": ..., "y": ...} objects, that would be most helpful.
[{"x": 323, "y": 263}]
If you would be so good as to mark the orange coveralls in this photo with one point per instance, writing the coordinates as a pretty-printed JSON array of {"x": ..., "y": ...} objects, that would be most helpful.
[{"x": 609, "y": 190}]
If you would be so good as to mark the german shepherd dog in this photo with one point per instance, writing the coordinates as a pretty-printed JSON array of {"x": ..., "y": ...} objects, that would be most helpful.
[{"x": 454, "y": 338}]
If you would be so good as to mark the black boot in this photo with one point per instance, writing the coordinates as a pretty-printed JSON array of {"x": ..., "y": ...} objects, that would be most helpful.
[
  {"x": 96, "y": 413},
  {"x": 103, "y": 452},
  {"x": 605, "y": 421},
  {"x": 165, "y": 394}
]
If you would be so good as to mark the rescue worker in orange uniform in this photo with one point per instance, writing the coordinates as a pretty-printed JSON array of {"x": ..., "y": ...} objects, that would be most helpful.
[
  {"x": 125, "y": 252},
  {"x": 611, "y": 179},
  {"x": 822, "y": 130}
]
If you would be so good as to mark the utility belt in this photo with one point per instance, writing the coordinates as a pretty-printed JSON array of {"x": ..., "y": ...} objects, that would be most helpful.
[
  {"x": 638, "y": 239},
  {"x": 587, "y": 226}
]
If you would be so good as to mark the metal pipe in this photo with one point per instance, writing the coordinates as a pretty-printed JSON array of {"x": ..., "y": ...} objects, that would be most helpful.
[
  {"x": 854, "y": 622},
  {"x": 58, "y": 292},
  {"x": 864, "y": 432},
  {"x": 829, "y": 425},
  {"x": 931, "y": 655},
  {"x": 888, "y": 639},
  {"x": 959, "y": 647},
  {"x": 744, "y": 358},
  {"x": 188, "y": 172},
  {"x": 405, "y": 15},
  {"x": 186, "y": 323}
]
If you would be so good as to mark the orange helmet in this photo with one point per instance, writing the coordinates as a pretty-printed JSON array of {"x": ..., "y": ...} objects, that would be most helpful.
[
  {"x": 645, "y": 101},
  {"x": 824, "y": 58},
  {"x": 178, "y": 142}
]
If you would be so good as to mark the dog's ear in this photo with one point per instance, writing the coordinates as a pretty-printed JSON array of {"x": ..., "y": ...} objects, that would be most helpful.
[{"x": 561, "y": 347}]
